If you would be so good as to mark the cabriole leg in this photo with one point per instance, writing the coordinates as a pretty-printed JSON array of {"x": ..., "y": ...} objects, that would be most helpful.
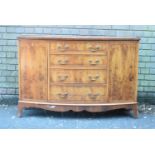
[
  {"x": 20, "y": 110},
  {"x": 135, "y": 110}
]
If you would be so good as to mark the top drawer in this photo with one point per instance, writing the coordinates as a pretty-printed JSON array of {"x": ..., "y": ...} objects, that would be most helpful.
[{"x": 60, "y": 47}]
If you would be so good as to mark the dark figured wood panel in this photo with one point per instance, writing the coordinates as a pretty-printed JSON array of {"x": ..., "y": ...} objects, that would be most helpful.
[
  {"x": 123, "y": 71},
  {"x": 33, "y": 69}
]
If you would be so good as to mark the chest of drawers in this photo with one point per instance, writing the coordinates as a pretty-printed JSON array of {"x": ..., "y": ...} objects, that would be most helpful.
[{"x": 78, "y": 73}]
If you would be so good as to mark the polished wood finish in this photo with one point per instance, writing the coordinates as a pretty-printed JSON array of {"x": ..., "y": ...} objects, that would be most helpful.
[
  {"x": 33, "y": 69},
  {"x": 78, "y": 73},
  {"x": 78, "y": 93},
  {"x": 78, "y": 46},
  {"x": 87, "y": 59},
  {"x": 123, "y": 71},
  {"x": 78, "y": 76}
]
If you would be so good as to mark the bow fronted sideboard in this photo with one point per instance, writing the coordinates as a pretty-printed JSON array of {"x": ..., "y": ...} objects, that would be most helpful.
[{"x": 78, "y": 73}]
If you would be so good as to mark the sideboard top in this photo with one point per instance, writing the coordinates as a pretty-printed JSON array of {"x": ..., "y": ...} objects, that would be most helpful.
[{"x": 58, "y": 37}]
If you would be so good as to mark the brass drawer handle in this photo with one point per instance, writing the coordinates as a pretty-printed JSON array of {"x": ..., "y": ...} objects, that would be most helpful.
[
  {"x": 62, "y": 78},
  {"x": 62, "y": 48},
  {"x": 91, "y": 62},
  {"x": 63, "y": 95},
  {"x": 93, "y": 78},
  {"x": 93, "y": 96},
  {"x": 62, "y": 62},
  {"x": 94, "y": 49}
]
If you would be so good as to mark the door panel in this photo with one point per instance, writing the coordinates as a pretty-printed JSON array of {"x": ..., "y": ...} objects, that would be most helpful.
[
  {"x": 33, "y": 69},
  {"x": 123, "y": 71}
]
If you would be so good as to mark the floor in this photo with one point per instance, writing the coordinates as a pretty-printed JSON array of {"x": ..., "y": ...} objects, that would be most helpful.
[{"x": 41, "y": 119}]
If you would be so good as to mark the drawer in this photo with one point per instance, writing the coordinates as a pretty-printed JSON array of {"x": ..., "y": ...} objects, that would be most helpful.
[
  {"x": 77, "y": 93},
  {"x": 78, "y": 76},
  {"x": 91, "y": 60},
  {"x": 78, "y": 46}
]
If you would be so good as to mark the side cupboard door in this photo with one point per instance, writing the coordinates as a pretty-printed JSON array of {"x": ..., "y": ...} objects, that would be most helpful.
[
  {"x": 33, "y": 69},
  {"x": 123, "y": 60}
]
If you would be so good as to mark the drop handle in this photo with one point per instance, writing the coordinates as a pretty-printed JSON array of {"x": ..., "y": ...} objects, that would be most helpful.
[
  {"x": 93, "y": 78},
  {"x": 91, "y": 62},
  {"x": 62, "y": 48},
  {"x": 63, "y": 95},
  {"x": 62, "y": 62},
  {"x": 94, "y": 49},
  {"x": 62, "y": 78},
  {"x": 93, "y": 96}
]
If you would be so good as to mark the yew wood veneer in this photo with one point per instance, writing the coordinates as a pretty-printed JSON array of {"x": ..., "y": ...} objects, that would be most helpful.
[{"x": 94, "y": 74}]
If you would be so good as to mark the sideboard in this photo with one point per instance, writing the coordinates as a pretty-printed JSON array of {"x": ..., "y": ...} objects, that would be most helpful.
[{"x": 92, "y": 74}]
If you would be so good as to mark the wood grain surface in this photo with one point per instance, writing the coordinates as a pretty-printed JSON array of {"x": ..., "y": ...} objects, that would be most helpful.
[{"x": 82, "y": 72}]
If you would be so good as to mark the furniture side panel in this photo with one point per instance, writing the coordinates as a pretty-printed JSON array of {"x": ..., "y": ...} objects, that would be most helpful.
[
  {"x": 33, "y": 69},
  {"x": 123, "y": 70}
]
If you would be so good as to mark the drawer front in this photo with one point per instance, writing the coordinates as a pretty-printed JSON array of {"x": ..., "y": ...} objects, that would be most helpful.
[
  {"x": 78, "y": 76},
  {"x": 77, "y": 46},
  {"x": 78, "y": 93},
  {"x": 91, "y": 60}
]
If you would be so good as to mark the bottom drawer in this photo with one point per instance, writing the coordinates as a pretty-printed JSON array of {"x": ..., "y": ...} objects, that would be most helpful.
[{"x": 77, "y": 93}]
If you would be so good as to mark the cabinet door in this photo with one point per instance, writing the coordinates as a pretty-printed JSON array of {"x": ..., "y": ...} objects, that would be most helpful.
[
  {"x": 33, "y": 69},
  {"x": 123, "y": 71}
]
